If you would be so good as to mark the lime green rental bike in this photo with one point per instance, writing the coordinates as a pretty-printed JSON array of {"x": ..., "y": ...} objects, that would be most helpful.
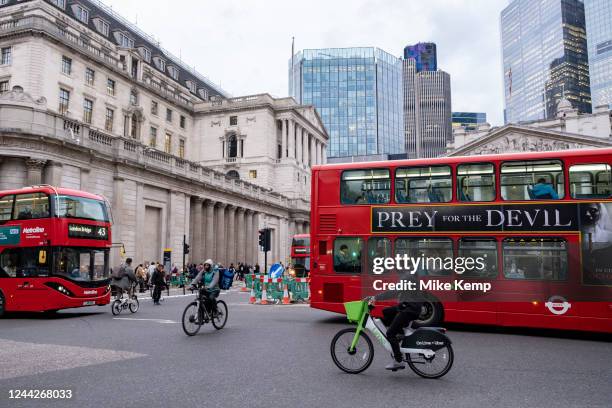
[{"x": 427, "y": 350}]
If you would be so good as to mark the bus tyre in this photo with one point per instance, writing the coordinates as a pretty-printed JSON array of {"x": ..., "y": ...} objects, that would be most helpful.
[
  {"x": 2, "y": 304},
  {"x": 432, "y": 314}
]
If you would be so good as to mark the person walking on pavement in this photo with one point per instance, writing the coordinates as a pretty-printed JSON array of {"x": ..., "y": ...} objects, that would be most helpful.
[
  {"x": 152, "y": 269},
  {"x": 141, "y": 276},
  {"x": 159, "y": 281}
]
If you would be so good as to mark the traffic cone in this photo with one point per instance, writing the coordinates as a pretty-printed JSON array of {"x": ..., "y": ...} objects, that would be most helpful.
[
  {"x": 286, "y": 300},
  {"x": 264, "y": 295},
  {"x": 252, "y": 299}
]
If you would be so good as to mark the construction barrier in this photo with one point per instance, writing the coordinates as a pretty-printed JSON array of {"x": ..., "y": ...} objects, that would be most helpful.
[{"x": 277, "y": 290}]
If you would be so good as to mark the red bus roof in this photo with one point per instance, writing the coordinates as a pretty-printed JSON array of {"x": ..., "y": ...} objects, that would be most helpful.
[
  {"x": 301, "y": 236},
  {"x": 468, "y": 159},
  {"x": 50, "y": 190}
]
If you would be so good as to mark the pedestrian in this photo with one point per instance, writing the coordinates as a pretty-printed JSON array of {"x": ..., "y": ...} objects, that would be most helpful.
[
  {"x": 159, "y": 281},
  {"x": 152, "y": 269},
  {"x": 257, "y": 269},
  {"x": 141, "y": 276},
  {"x": 231, "y": 268},
  {"x": 241, "y": 269}
]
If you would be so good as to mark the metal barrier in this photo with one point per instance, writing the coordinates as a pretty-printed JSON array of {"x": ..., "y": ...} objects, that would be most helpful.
[{"x": 266, "y": 290}]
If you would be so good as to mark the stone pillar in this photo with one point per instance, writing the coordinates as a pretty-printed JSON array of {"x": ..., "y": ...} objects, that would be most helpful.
[
  {"x": 317, "y": 153},
  {"x": 220, "y": 234},
  {"x": 210, "y": 232},
  {"x": 311, "y": 153},
  {"x": 34, "y": 169},
  {"x": 283, "y": 138},
  {"x": 299, "y": 143},
  {"x": 241, "y": 238},
  {"x": 324, "y": 155},
  {"x": 291, "y": 139},
  {"x": 251, "y": 236},
  {"x": 254, "y": 242},
  {"x": 305, "y": 148},
  {"x": 117, "y": 210},
  {"x": 197, "y": 242},
  {"x": 231, "y": 235},
  {"x": 53, "y": 174}
]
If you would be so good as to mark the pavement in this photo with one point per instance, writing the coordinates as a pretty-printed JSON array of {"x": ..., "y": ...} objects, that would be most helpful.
[{"x": 278, "y": 356}]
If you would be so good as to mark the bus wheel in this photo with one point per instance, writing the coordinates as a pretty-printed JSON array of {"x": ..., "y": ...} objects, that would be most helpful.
[
  {"x": 1, "y": 303},
  {"x": 432, "y": 314}
]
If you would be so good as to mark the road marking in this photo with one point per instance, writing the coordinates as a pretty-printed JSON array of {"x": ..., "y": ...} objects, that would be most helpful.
[
  {"x": 165, "y": 321},
  {"x": 18, "y": 359}
]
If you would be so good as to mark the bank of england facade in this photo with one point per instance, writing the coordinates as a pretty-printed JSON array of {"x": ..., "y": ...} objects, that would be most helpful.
[{"x": 88, "y": 101}]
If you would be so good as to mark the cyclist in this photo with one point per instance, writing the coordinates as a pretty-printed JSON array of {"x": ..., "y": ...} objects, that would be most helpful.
[
  {"x": 397, "y": 317},
  {"x": 124, "y": 278},
  {"x": 209, "y": 278}
]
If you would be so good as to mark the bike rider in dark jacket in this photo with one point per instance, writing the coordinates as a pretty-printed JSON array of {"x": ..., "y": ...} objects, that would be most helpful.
[
  {"x": 397, "y": 317},
  {"x": 209, "y": 277}
]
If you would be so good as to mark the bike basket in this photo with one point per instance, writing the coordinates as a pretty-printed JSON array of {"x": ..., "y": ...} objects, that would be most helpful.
[{"x": 354, "y": 310}]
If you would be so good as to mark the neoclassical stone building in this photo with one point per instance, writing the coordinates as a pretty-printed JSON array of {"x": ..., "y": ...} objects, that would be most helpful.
[{"x": 88, "y": 101}]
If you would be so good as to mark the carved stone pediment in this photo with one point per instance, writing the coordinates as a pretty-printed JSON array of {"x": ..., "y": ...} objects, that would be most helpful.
[{"x": 18, "y": 97}]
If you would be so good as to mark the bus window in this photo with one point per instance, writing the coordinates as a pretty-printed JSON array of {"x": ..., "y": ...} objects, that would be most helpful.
[
  {"x": 84, "y": 264},
  {"x": 23, "y": 262},
  {"x": 485, "y": 248},
  {"x": 431, "y": 184},
  {"x": 378, "y": 248},
  {"x": 347, "y": 255},
  {"x": 535, "y": 258},
  {"x": 6, "y": 207},
  {"x": 590, "y": 181},
  {"x": 372, "y": 186},
  {"x": 531, "y": 180},
  {"x": 432, "y": 251},
  {"x": 476, "y": 182},
  {"x": 29, "y": 206}
]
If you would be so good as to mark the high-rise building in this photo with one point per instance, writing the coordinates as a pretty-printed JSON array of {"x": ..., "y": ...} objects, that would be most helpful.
[
  {"x": 424, "y": 55},
  {"x": 598, "y": 17},
  {"x": 544, "y": 58},
  {"x": 427, "y": 111},
  {"x": 357, "y": 92},
  {"x": 468, "y": 120}
]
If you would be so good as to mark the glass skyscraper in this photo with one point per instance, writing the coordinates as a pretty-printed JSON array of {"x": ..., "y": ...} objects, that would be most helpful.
[
  {"x": 598, "y": 16},
  {"x": 424, "y": 54},
  {"x": 357, "y": 92},
  {"x": 468, "y": 120},
  {"x": 544, "y": 57}
]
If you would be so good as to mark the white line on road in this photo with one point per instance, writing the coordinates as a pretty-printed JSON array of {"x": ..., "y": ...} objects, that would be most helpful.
[{"x": 165, "y": 321}]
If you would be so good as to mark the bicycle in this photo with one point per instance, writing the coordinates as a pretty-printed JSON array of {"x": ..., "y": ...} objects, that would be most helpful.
[
  {"x": 121, "y": 303},
  {"x": 197, "y": 314},
  {"x": 427, "y": 350}
]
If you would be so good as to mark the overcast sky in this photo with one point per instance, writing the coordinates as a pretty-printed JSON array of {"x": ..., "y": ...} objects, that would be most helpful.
[{"x": 245, "y": 44}]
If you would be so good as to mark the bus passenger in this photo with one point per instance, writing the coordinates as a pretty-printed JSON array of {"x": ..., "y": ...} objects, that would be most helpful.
[{"x": 543, "y": 191}]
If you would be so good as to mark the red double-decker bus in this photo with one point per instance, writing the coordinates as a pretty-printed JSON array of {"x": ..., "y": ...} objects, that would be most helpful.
[
  {"x": 541, "y": 223},
  {"x": 54, "y": 249},
  {"x": 300, "y": 255}
]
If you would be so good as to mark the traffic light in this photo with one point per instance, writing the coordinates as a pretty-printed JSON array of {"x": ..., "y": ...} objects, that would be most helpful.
[
  {"x": 264, "y": 239},
  {"x": 185, "y": 248}
]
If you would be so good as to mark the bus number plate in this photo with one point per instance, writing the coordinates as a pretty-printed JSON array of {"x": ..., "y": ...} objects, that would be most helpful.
[{"x": 89, "y": 303}]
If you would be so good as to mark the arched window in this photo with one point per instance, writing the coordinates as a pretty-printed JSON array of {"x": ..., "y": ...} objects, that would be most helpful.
[
  {"x": 232, "y": 146},
  {"x": 233, "y": 174}
]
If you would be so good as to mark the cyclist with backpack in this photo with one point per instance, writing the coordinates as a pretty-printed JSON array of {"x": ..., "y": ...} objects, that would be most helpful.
[
  {"x": 123, "y": 278},
  {"x": 209, "y": 278}
]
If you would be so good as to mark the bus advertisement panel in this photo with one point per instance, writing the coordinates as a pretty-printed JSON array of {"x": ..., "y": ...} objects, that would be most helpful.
[{"x": 473, "y": 238}]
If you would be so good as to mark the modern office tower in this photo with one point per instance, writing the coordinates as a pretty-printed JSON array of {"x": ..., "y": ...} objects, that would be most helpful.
[
  {"x": 468, "y": 120},
  {"x": 357, "y": 92},
  {"x": 427, "y": 111},
  {"x": 544, "y": 58},
  {"x": 598, "y": 18},
  {"x": 424, "y": 55}
]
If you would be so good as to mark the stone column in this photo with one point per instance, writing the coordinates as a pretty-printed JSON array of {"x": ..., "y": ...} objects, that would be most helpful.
[
  {"x": 305, "y": 148},
  {"x": 291, "y": 139},
  {"x": 197, "y": 243},
  {"x": 34, "y": 169},
  {"x": 210, "y": 232},
  {"x": 241, "y": 238},
  {"x": 53, "y": 174},
  {"x": 317, "y": 153},
  {"x": 283, "y": 138},
  {"x": 251, "y": 236},
  {"x": 254, "y": 241},
  {"x": 231, "y": 235},
  {"x": 324, "y": 155},
  {"x": 299, "y": 143},
  {"x": 311, "y": 155},
  {"x": 220, "y": 234},
  {"x": 117, "y": 210}
]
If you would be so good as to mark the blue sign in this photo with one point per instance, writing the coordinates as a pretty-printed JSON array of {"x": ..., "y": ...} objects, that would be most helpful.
[{"x": 276, "y": 271}]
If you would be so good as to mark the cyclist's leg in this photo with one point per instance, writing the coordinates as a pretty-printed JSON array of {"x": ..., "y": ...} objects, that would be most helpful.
[
  {"x": 401, "y": 320},
  {"x": 389, "y": 314}
]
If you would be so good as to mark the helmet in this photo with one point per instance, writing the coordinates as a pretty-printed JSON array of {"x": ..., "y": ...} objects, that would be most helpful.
[{"x": 209, "y": 261}]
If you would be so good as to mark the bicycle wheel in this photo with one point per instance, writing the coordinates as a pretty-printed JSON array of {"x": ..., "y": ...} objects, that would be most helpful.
[
  {"x": 191, "y": 319},
  {"x": 219, "y": 320},
  {"x": 356, "y": 361},
  {"x": 134, "y": 305},
  {"x": 116, "y": 307},
  {"x": 432, "y": 367}
]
